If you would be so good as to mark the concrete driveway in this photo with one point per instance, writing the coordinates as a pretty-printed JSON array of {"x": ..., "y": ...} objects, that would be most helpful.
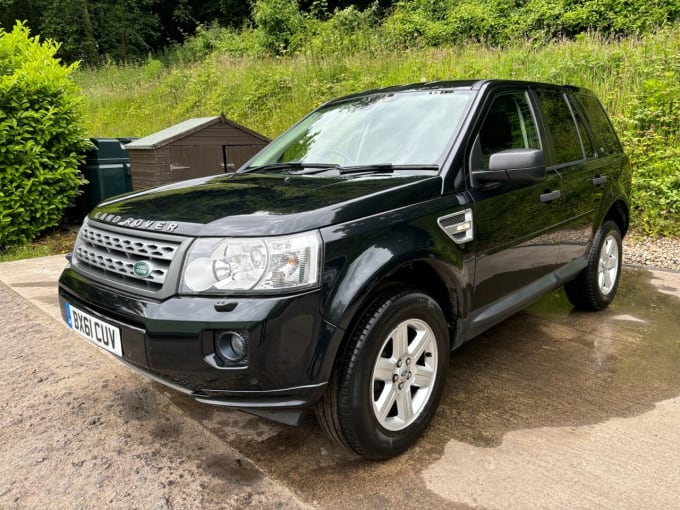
[{"x": 551, "y": 409}]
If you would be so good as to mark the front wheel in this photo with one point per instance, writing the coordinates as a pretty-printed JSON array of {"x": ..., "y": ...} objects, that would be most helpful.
[
  {"x": 388, "y": 385},
  {"x": 595, "y": 287}
]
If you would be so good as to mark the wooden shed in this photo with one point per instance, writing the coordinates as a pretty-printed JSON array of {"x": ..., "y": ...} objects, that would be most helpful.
[{"x": 193, "y": 148}]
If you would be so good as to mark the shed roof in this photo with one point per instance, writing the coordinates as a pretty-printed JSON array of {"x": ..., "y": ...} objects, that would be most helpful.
[{"x": 184, "y": 129}]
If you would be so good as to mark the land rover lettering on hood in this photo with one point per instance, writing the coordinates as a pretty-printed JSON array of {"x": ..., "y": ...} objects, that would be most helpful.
[{"x": 337, "y": 270}]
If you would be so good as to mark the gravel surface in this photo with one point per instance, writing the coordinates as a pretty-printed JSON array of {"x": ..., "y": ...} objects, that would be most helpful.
[{"x": 662, "y": 253}]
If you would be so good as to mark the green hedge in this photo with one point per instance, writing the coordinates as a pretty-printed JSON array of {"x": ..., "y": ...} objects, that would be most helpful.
[
  {"x": 42, "y": 139},
  {"x": 498, "y": 22}
]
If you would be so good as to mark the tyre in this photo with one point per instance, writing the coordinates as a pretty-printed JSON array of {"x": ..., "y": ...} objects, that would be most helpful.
[
  {"x": 595, "y": 287},
  {"x": 387, "y": 386}
]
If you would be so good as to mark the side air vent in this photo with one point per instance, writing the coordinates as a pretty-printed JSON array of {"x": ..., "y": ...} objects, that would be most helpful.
[{"x": 458, "y": 226}]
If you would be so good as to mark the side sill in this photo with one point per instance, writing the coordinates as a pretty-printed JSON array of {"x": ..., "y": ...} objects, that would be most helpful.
[{"x": 499, "y": 310}]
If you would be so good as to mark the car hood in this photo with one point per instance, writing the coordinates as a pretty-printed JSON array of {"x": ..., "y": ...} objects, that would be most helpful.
[{"x": 261, "y": 204}]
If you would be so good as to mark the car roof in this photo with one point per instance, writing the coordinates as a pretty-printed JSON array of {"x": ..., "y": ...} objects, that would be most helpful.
[{"x": 454, "y": 85}]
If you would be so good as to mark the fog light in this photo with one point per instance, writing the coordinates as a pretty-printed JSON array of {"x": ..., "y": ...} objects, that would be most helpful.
[{"x": 231, "y": 346}]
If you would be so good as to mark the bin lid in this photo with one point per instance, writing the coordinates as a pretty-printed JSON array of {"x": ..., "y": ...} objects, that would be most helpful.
[{"x": 107, "y": 149}]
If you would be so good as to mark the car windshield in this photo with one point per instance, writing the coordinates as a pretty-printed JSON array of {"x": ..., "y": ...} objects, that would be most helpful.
[{"x": 397, "y": 129}]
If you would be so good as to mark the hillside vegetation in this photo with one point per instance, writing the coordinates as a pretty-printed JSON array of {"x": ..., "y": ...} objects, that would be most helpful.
[{"x": 637, "y": 78}]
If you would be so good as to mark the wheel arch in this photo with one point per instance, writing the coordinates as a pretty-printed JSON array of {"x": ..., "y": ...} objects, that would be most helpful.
[
  {"x": 619, "y": 213},
  {"x": 445, "y": 285}
]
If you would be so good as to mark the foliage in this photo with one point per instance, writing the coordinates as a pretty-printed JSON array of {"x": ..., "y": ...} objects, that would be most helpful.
[
  {"x": 653, "y": 134},
  {"x": 436, "y": 23},
  {"x": 54, "y": 241},
  {"x": 100, "y": 31},
  {"x": 279, "y": 24},
  {"x": 69, "y": 22},
  {"x": 122, "y": 31},
  {"x": 41, "y": 136},
  {"x": 656, "y": 191},
  {"x": 636, "y": 78},
  {"x": 346, "y": 32}
]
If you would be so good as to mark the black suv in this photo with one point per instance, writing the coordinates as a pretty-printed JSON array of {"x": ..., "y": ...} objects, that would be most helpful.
[{"x": 338, "y": 268}]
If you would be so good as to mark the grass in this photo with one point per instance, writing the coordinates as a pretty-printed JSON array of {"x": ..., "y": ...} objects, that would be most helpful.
[
  {"x": 59, "y": 240},
  {"x": 268, "y": 94}
]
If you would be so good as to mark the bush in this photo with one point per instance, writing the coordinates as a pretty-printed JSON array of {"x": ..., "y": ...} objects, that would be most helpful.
[
  {"x": 656, "y": 193},
  {"x": 279, "y": 23},
  {"x": 41, "y": 136},
  {"x": 345, "y": 32},
  {"x": 497, "y": 22}
]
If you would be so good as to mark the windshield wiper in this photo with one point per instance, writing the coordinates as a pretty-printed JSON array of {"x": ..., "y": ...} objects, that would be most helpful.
[
  {"x": 291, "y": 165},
  {"x": 383, "y": 168}
]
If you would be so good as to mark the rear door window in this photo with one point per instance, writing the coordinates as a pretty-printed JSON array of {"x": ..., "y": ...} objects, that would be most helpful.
[{"x": 567, "y": 146}]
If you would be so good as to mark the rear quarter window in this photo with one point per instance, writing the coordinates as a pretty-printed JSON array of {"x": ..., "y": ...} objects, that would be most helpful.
[{"x": 606, "y": 141}]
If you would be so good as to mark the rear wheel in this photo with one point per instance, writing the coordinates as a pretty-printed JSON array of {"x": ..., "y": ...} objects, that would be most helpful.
[
  {"x": 388, "y": 385},
  {"x": 595, "y": 287}
]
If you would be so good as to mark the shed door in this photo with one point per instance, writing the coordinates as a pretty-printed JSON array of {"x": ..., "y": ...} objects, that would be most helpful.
[
  {"x": 187, "y": 162},
  {"x": 237, "y": 155}
]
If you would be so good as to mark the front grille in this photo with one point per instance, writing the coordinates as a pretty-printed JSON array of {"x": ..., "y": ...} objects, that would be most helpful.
[{"x": 115, "y": 255}]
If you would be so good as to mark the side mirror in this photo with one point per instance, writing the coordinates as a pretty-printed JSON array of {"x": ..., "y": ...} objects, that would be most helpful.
[{"x": 514, "y": 165}]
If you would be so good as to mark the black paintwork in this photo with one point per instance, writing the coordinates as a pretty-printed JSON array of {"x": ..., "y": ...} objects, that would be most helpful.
[
  {"x": 246, "y": 204},
  {"x": 531, "y": 235}
]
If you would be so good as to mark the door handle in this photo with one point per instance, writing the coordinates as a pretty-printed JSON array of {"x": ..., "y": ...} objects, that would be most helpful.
[
  {"x": 598, "y": 180},
  {"x": 549, "y": 196}
]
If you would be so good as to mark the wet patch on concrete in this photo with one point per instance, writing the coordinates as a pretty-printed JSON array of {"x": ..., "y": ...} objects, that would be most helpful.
[
  {"x": 226, "y": 467},
  {"x": 553, "y": 366},
  {"x": 669, "y": 284},
  {"x": 136, "y": 404},
  {"x": 547, "y": 367}
]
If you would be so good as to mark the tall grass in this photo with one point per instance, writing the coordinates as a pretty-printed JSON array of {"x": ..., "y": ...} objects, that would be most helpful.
[
  {"x": 269, "y": 93},
  {"x": 638, "y": 80}
]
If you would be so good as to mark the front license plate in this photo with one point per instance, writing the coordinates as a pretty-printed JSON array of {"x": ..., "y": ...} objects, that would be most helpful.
[{"x": 96, "y": 331}]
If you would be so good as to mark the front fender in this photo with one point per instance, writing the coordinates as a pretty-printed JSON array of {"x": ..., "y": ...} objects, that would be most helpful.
[{"x": 362, "y": 255}]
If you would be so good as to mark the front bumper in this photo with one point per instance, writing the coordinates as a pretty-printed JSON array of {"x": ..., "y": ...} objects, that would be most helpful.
[{"x": 172, "y": 341}]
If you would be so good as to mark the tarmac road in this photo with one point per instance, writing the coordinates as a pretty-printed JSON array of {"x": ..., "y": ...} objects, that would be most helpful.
[{"x": 551, "y": 409}]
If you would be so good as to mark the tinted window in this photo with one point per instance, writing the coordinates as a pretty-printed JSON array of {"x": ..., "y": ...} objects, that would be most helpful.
[
  {"x": 585, "y": 136},
  {"x": 605, "y": 137},
  {"x": 565, "y": 137},
  {"x": 508, "y": 125}
]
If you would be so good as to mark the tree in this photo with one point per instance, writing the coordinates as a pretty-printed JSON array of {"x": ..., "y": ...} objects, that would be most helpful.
[
  {"x": 70, "y": 23},
  {"x": 126, "y": 30},
  {"x": 29, "y": 11}
]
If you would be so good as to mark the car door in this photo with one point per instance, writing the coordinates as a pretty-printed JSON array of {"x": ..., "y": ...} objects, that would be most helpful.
[
  {"x": 517, "y": 224},
  {"x": 572, "y": 154}
]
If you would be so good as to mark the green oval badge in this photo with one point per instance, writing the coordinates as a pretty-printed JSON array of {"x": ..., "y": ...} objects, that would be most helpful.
[{"x": 141, "y": 269}]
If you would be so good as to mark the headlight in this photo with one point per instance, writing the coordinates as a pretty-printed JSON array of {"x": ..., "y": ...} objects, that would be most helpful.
[{"x": 239, "y": 264}]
